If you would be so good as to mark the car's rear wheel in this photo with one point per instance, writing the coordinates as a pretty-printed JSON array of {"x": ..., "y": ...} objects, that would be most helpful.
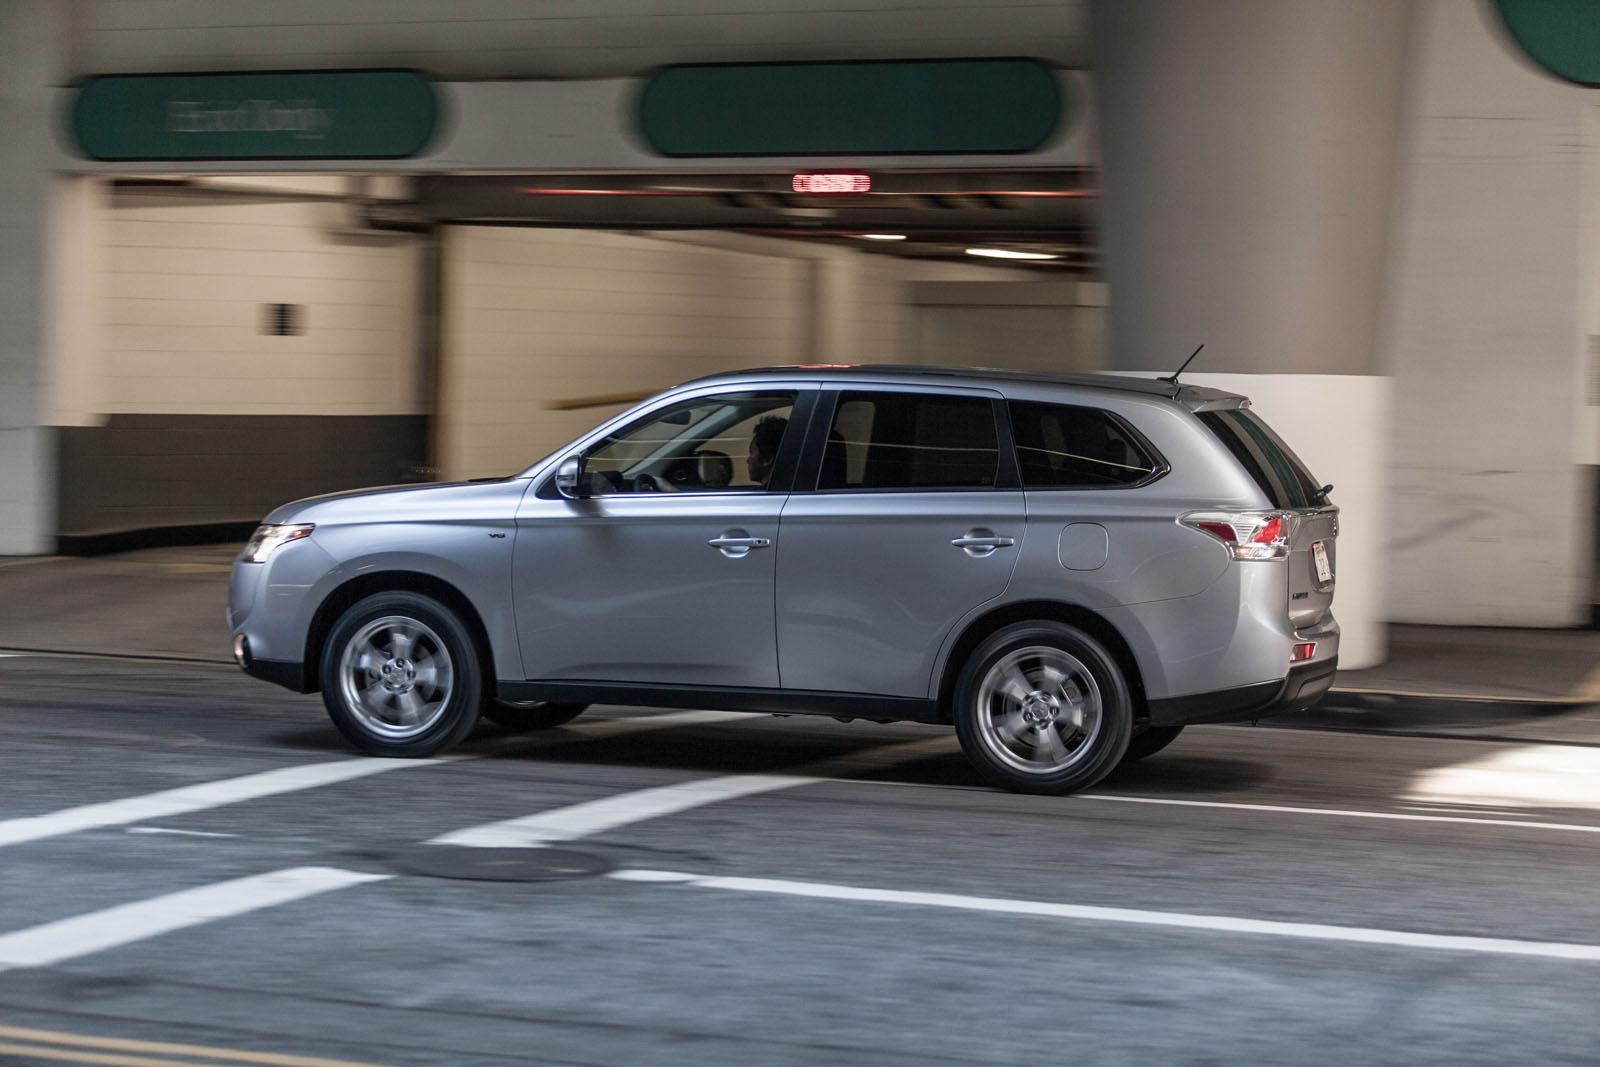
[
  {"x": 1042, "y": 707},
  {"x": 401, "y": 676},
  {"x": 1150, "y": 741},
  {"x": 531, "y": 714}
]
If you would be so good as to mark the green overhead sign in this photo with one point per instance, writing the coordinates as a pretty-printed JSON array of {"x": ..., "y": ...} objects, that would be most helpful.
[
  {"x": 1562, "y": 36},
  {"x": 921, "y": 107},
  {"x": 351, "y": 114}
]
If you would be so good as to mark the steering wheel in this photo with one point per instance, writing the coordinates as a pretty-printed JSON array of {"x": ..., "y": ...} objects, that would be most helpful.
[{"x": 646, "y": 483}]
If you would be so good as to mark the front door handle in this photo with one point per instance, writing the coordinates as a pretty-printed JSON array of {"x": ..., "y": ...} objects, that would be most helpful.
[
  {"x": 736, "y": 544},
  {"x": 982, "y": 542}
]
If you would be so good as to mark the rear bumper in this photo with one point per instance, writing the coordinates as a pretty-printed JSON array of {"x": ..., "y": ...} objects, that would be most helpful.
[{"x": 1303, "y": 687}]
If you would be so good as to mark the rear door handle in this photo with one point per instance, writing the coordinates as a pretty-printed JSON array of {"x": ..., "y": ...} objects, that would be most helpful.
[{"x": 982, "y": 542}]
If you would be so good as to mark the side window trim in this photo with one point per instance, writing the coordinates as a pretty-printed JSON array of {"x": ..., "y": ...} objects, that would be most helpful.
[
  {"x": 1161, "y": 469},
  {"x": 1007, "y": 477},
  {"x": 809, "y": 469},
  {"x": 788, "y": 460}
]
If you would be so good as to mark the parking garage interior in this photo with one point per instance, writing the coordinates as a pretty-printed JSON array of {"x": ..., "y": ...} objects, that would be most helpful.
[{"x": 310, "y": 332}]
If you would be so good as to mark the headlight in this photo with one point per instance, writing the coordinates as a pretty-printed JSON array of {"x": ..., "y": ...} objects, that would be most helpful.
[{"x": 267, "y": 538}]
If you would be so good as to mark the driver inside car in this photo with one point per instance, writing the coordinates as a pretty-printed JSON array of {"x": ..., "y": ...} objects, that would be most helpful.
[{"x": 764, "y": 441}]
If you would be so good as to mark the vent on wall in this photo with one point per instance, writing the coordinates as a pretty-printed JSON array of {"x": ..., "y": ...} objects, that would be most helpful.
[{"x": 283, "y": 320}]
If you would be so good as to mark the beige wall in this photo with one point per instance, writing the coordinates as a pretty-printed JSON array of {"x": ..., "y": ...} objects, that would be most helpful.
[
  {"x": 183, "y": 289},
  {"x": 1031, "y": 325},
  {"x": 535, "y": 316}
]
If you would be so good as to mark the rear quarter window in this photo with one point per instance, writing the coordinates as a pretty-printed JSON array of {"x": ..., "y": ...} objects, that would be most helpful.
[
  {"x": 1269, "y": 462},
  {"x": 1061, "y": 446}
]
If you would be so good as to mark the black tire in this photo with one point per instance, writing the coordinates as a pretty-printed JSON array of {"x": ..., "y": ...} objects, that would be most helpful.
[
  {"x": 1150, "y": 741},
  {"x": 1091, "y": 751},
  {"x": 457, "y": 707},
  {"x": 531, "y": 714}
]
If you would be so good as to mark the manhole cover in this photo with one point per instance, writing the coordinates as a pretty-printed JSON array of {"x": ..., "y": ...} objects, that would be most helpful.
[{"x": 498, "y": 864}]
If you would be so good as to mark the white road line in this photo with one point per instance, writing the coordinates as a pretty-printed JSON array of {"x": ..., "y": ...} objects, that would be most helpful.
[
  {"x": 65, "y": 939},
  {"x": 174, "y": 832},
  {"x": 1092, "y": 913},
  {"x": 597, "y": 816},
  {"x": 188, "y": 799},
  {"x": 1345, "y": 813},
  {"x": 1505, "y": 819},
  {"x": 1469, "y": 811}
]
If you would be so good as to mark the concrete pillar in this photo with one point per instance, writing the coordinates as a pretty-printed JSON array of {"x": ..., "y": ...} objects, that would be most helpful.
[
  {"x": 1248, "y": 154},
  {"x": 75, "y": 301},
  {"x": 1496, "y": 285},
  {"x": 31, "y": 43}
]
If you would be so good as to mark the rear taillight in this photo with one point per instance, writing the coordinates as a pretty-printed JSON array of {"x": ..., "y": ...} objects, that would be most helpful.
[{"x": 1247, "y": 534}]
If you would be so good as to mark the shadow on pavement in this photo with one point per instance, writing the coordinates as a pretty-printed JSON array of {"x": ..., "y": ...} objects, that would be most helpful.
[{"x": 1174, "y": 772}]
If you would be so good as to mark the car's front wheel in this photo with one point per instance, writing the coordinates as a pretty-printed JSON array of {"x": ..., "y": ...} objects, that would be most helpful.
[
  {"x": 1042, "y": 707},
  {"x": 401, "y": 676}
]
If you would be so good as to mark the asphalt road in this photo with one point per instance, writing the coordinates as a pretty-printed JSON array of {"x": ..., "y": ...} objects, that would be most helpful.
[{"x": 193, "y": 860}]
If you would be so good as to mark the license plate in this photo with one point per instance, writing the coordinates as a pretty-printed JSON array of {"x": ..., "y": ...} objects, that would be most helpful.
[{"x": 1319, "y": 556}]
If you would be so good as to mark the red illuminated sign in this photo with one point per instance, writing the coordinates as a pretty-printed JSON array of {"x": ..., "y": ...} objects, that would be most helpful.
[{"x": 832, "y": 183}]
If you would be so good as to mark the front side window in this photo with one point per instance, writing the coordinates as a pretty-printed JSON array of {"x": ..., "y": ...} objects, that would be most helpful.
[
  {"x": 715, "y": 444},
  {"x": 910, "y": 441},
  {"x": 1065, "y": 447}
]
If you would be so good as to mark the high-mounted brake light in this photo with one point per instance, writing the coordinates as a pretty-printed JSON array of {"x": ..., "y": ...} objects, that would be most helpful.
[{"x": 1247, "y": 534}]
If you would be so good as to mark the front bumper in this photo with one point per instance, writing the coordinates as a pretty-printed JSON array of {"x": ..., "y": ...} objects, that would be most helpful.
[
  {"x": 291, "y": 674},
  {"x": 270, "y": 608},
  {"x": 1302, "y": 688}
]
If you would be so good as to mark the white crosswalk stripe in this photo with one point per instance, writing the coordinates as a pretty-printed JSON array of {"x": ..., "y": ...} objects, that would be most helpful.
[
  {"x": 597, "y": 816},
  {"x": 188, "y": 799},
  {"x": 65, "y": 939}
]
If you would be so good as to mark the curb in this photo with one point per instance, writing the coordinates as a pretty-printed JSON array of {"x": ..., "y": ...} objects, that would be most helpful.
[
  {"x": 1437, "y": 715},
  {"x": 140, "y": 657}
]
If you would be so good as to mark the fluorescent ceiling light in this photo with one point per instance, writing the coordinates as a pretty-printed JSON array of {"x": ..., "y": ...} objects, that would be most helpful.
[
  {"x": 1008, "y": 253},
  {"x": 882, "y": 236}
]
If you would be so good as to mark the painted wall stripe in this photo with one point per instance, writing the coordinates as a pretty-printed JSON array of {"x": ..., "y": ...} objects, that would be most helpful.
[
  {"x": 1092, "y": 913},
  {"x": 188, "y": 799},
  {"x": 65, "y": 939}
]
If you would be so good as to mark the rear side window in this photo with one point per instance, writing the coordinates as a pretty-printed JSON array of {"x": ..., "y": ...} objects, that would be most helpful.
[
  {"x": 1276, "y": 469},
  {"x": 1062, "y": 447},
  {"x": 910, "y": 441}
]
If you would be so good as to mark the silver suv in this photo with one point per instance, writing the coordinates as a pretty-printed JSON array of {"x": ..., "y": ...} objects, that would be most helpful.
[{"x": 1067, "y": 568}]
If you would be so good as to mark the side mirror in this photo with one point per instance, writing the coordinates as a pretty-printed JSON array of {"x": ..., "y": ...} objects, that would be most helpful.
[{"x": 569, "y": 478}]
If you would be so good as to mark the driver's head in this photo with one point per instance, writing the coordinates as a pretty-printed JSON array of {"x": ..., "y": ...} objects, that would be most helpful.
[{"x": 764, "y": 441}]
